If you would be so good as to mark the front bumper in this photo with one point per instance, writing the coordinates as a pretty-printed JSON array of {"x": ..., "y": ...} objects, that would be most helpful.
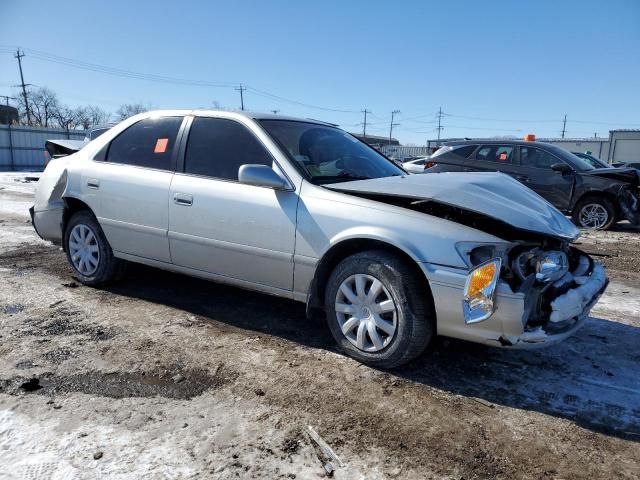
[{"x": 507, "y": 326}]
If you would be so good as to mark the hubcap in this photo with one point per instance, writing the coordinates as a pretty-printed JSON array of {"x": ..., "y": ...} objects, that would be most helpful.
[
  {"x": 593, "y": 215},
  {"x": 366, "y": 312},
  {"x": 83, "y": 250}
]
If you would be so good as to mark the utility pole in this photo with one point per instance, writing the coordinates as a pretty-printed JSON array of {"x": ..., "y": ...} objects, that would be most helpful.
[
  {"x": 393, "y": 114},
  {"x": 440, "y": 127},
  {"x": 19, "y": 56},
  {"x": 6, "y": 99},
  {"x": 564, "y": 125},
  {"x": 364, "y": 124},
  {"x": 275, "y": 112},
  {"x": 241, "y": 89}
]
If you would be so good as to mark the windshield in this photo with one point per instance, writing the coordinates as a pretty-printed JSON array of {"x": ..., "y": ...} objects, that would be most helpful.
[
  {"x": 327, "y": 154},
  {"x": 593, "y": 161},
  {"x": 580, "y": 164}
]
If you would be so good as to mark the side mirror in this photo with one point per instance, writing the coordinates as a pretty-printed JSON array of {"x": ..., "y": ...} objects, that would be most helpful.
[
  {"x": 562, "y": 168},
  {"x": 261, "y": 176}
]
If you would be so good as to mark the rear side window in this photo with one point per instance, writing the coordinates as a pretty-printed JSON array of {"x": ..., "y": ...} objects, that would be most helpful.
[
  {"x": 464, "y": 151},
  {"x": 536, "y": 158},
  {"x": 217, "y": 147},
  {"x": 147, "y": 143},
  {"x": 496, "y": 153}
]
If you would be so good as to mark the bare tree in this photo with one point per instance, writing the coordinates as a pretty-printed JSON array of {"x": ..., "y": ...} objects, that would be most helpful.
[
  {"x": 43, "y": 103},
  {"x": 65, "y": 117},
  {"x": 90, "y": 116},
  {"x": 97, "y": 116},
  {"x": 129, "y": 109}
]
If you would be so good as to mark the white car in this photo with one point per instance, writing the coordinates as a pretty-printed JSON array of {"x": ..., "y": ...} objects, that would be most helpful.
[
  {"x": 417, "y": 165},
  {"x": 303, "y": 210}
]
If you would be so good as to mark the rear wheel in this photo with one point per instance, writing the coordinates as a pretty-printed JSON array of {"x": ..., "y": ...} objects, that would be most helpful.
[
  {"x": 597, "y": 213},
  {"x": 88, "y": 251},
  {"x": 378, "y": 310}
]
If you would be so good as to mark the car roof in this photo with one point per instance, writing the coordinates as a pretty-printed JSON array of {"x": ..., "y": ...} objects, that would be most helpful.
[
  {"x": 241, "y": 113},
  {"x": 495, "y": 142}
]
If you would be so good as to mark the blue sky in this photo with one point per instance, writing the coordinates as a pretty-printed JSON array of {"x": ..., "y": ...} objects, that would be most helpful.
[{"x": 495, "y": 67}]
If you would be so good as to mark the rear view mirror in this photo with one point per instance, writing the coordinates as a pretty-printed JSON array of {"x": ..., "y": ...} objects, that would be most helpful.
[
  {"x": 563, "y": 168},
  {"x": 261, "y": 176}
]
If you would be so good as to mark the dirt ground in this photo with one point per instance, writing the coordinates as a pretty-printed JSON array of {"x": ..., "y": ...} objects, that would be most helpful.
[{"x": 165, "y": 376}]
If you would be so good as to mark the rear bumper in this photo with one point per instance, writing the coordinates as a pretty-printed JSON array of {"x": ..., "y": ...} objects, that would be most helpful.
[
  {"x": 48, "y": 224},
  {"x": 507, "y": 326}
]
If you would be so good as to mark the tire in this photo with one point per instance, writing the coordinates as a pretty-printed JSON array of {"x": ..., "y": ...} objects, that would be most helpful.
[
  {"x": 601, "y": 206},
  {"x": 413, "y": 315},
  {"x": 106, "y": 268}
]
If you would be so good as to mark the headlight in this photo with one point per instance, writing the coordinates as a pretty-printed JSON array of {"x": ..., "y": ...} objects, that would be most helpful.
[
  {"x": 551, "y": 266},
  {"x": 479, "y": 291}
]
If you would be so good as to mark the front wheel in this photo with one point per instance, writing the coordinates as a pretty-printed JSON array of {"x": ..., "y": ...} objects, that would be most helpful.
[
  {"x": 378, "y": 310},
  {"x": 597, "y": 213},
  {"x": 88, "y": 251}
]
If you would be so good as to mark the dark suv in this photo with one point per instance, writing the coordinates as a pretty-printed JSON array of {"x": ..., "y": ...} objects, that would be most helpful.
[{"x": 595, "y": 198}]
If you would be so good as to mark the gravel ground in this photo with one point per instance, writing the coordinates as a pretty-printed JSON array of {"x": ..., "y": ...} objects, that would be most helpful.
[{"x": 165, "y": 376}]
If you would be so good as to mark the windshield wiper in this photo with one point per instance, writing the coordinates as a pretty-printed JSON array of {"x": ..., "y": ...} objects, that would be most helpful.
[{"x": 342, "y": 177}]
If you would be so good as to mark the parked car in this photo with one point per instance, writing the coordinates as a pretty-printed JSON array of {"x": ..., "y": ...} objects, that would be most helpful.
[
  {"x": 595, "y": 198},
  {"x": 303, "y": 210},
  {"x": 58, "y": 148},
  {"x": 417, "y": 165},
  {"x": 635, "y": 165}
]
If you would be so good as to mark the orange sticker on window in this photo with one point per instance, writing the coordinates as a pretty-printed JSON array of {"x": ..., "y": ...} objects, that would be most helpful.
[
  {"x": 161, "y": 145},
  {"x": 502, "y": 157}
]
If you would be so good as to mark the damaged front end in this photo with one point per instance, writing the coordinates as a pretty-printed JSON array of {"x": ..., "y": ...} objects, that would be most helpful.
[{"x": 560, "y": 287}]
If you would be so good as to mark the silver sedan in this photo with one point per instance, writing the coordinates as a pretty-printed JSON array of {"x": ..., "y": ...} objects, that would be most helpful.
[{"x": 303, "y": 210}]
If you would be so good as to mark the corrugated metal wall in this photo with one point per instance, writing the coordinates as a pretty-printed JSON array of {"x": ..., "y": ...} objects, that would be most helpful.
[
  {"x": 22, "y": 148},
  {"x": 401, "y": 152}
]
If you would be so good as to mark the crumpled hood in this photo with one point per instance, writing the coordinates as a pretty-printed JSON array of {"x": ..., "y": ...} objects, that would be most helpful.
[
  {"x": 492, "y": 194},
  {"x": 622, "y": 174}
]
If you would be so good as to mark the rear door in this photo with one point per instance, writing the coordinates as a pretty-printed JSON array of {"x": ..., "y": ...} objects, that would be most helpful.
[
  {"x": 494, "y": 158},
  {"x": 129, "y": 188},
  {"x": 221, "y": 226},
  {"x": 535, "y": 168},
  {"x": 451, "y": 158}
]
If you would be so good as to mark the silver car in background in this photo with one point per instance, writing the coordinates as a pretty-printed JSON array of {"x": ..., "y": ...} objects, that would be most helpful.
[{"x": 303, "y": 210}]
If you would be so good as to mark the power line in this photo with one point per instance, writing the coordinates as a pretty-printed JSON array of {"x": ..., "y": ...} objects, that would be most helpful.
[{"x": 19, "y": 56}]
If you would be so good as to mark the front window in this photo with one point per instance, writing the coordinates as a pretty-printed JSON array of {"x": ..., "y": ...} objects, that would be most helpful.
[{"x": 327, "y": 154}]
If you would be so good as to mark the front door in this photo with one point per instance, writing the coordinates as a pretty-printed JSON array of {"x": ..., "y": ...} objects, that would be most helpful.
[
  {"x": 220, "y": 226},
  {"x": 555, "y": 187}
]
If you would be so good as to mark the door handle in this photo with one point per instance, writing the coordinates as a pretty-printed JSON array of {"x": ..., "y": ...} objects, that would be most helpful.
[
  {"x": 183, "y": 199},
  {"x": 93, "y": 183},
  {"x": 522, "y": 178}
]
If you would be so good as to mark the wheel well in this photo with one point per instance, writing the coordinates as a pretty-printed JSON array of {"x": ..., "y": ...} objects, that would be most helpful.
[
  {"x": 344, "y": 249},
  {"x": 587, "y": 195},
  {"x": 71, "y": 206}
]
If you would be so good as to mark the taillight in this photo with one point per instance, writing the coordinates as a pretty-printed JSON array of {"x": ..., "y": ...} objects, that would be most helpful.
[{"x": 429, "y": 165}]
